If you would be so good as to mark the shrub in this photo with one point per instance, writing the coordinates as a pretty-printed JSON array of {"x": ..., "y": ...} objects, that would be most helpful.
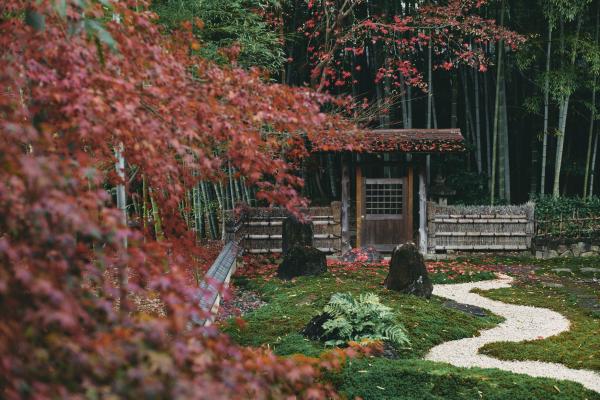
[
  {"x": 567, "y": 217},
  {"x": 363, "y": 318}
]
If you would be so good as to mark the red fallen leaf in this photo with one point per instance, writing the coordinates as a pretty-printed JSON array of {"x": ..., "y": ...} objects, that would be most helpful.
[{"x": 241, "y": 323}]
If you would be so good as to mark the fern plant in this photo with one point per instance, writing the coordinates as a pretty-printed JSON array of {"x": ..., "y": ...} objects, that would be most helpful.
[{"x": 361, "y": 318}]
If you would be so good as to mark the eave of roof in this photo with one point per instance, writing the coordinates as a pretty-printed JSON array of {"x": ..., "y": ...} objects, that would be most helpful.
[{"x": 397, "y": 140}]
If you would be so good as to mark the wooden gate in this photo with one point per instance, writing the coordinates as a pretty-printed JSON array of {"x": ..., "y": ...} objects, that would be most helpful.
[{"x": 384, "y": 213}]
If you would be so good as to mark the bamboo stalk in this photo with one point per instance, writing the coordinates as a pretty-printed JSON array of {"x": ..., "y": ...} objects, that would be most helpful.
[{"x": 156, "y": 217}]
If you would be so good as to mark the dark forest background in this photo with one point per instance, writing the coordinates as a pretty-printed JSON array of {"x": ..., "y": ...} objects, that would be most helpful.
[{"x": 542, "y": 91}]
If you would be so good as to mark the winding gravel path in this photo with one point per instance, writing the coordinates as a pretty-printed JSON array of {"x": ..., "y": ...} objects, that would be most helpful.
[{"x": 522, "y": 323}]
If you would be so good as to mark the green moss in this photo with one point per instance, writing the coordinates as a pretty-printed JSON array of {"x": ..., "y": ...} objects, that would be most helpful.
[
  {"x": 428, "y": 322},
  {"x": 377, "y": 378},
  {"x": 577, "y": 348},
  {"x": 291, "y": 304}
]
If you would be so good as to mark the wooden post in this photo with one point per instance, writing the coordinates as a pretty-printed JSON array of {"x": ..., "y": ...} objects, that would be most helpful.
[
  {"x": 345, "y": 204},
  {"x": 409, "y": 207},
  {"x": 359, "y": 204},
  {"x": 422, "y": 208}
]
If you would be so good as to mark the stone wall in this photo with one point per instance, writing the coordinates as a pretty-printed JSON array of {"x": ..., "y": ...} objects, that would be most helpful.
[{"x": 545, "y": 249}]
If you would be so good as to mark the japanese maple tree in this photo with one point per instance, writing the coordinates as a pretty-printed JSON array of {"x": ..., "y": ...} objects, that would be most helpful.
[
  {"x": 79, "y": 80},
  {"x": 457, "y": 35}
]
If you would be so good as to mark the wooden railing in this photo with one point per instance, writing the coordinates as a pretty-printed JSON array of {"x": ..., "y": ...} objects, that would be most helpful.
[{"x": 218, "y": 275}]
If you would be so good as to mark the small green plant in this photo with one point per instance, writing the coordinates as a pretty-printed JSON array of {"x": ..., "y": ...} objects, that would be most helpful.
[{"x": 362, "y": 318}]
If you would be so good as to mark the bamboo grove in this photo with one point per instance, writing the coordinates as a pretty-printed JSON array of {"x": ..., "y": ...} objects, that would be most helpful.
[{"x": 518, "y": 77}]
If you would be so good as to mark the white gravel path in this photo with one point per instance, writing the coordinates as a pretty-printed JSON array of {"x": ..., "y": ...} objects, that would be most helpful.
[{"x": 522, "y": 323}]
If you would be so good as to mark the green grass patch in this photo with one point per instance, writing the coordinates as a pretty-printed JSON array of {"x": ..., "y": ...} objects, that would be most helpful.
[
  {"x": 577, "y": 348},
  {"x": 377, "y": 378}
]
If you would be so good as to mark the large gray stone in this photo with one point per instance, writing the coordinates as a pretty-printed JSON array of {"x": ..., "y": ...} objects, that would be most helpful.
[
  {"x": 407, "y": 273},
  {"x": 302, "y": 260},
  {"x": 552, "y": 284},
  {"x": 551, "y": 254},
  {"x": 562, "y": 271},
  {"x": 589, "y": 254},
  {"x": 590, "y": 271},
  {"x": 539, "y": 254},
  {"x": 296, "y": 233}
]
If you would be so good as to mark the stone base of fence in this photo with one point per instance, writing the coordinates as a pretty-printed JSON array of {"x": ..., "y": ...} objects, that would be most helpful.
[{"x": 546, "y": 249}]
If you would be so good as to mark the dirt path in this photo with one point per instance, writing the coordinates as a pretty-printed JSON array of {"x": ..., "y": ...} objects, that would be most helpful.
[{"x": 522, "y": 323}]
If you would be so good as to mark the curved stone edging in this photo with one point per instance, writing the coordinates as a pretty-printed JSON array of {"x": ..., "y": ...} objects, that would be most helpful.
[{"x": 522, "y": 323}]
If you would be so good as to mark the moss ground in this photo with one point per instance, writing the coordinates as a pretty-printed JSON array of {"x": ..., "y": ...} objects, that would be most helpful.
[
  {"x": 291, "y": 304},
  {"x": 379, "y": 378},
  {"x": 577, "y": 348}
]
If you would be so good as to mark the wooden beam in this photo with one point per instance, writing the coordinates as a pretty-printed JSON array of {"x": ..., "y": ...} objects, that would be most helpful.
[
  {"x": 359, "y": 204},
  {"x": 345, "y": 204},
  {"x": 422, "y": 207}
]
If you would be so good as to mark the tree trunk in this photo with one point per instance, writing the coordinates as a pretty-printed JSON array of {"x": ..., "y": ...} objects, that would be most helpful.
[
  {"x": 546, "y": 110},
  {"x": 505, "y": 143},
  {"x": 488, "y": 138},
  {"x": 409, "y": 107},
  {"x": 497, "y": 109},
  {"x": 231, "y": 189},
  {"x": 593, "y": 168},
  {"x": 563, "y": 113},
  {"x": 454, "y": 101},
  {"x": 477, "y": 122},
  {"x": 592, "y": 116}
]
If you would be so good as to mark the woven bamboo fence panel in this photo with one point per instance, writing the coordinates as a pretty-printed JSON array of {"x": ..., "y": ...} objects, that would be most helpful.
[
  {"x": 570, "y": 225},
  {"x": 263, "y": 227},
  {"x": 480, "y": 228}
]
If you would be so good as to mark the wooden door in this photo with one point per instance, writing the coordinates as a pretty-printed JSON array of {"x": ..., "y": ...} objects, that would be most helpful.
[{"x": 384, "y": 213}]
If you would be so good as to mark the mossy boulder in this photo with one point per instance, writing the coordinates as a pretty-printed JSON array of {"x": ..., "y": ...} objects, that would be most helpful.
[
  {"x": 296, "y": 233},
  {"x": 407, "y": 273},
  {"x": 301, "y": 261}
]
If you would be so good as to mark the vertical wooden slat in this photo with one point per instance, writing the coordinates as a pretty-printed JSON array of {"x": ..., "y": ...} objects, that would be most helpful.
[
  {"x": 410, "y": 205},
  {"x": 359, "y": 204},
  {"x": 345, "y": 204},
  {"x": 422, "y": 208}
]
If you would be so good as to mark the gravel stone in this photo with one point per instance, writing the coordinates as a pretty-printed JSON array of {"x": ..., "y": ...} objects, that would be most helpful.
[{"x": 522, "y": 323}]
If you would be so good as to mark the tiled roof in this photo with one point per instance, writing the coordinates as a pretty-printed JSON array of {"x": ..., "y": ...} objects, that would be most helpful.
[{"x": 402, "y": 140}]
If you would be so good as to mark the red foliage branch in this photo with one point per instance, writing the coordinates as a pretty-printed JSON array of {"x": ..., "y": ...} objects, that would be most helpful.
[
  {"x": 68, "y": 99},
  {"x": 456, "y": 33}
]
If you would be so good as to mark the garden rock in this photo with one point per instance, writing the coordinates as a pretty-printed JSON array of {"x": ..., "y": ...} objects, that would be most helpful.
[
  {"x": 408, "y": 273},
  {"x": 465, "y": 308},
  {"x": 300, "y": 261},
  {"x": 589, "y": 254},
  {"x": 562, "y": 271},
  {"x": 296, "y": 233},
  {"x": 590, "y": 271},
  {"x": 553, "y": 285},
  {"x": 314, "y": 329},
  {"x": 552, "y": 254}
]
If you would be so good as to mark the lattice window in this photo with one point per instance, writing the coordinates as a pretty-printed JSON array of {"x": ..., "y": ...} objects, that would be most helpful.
[{"x": 383, "y": 197}]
